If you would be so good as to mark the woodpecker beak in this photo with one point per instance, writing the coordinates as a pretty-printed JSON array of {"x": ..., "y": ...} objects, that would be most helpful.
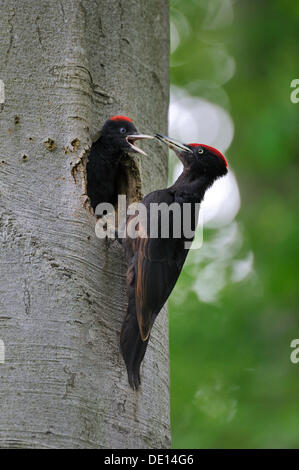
[
  {"x": 172, "y": 143},
  {"x": 131, "y": 139}
]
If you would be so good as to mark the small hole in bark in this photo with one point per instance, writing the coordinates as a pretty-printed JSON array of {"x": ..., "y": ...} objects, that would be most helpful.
[
  {"x": 75, "y": 144},
  {"x": 50, "y": 144},
  {"x": 24, "y": 157}
]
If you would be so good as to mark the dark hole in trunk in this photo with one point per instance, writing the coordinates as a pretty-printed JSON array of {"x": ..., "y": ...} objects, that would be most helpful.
[{"x": 127, "y": 183}]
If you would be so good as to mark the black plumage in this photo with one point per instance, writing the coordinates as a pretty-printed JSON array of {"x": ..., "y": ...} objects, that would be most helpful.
[
  {"x": 118, "y": 136},
  {"x": 154, "y": 264}
]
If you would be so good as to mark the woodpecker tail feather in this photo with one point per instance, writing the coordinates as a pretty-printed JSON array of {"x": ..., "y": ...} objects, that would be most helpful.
[{"x": 131, "y": 344}]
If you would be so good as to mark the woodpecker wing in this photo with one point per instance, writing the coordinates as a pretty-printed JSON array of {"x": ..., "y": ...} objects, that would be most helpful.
[
  {"x": 157, "y": 268},
  {"x": 155, "y": 281}
]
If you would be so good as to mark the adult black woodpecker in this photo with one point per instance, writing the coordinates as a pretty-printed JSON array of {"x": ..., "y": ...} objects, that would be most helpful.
[
  {"x": 118, "y": 136},
  {"x": 154, "y": 264}
]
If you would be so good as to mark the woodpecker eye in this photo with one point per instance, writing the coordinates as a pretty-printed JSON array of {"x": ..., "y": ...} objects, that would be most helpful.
[
  {"x": 200, "y": 151},
  {"x": 122, "y": 130}
]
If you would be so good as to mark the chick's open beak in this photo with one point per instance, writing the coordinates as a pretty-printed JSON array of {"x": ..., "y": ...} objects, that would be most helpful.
[
  {"x": 173, "y": 143},
  {"x": 131, "y": 139}
]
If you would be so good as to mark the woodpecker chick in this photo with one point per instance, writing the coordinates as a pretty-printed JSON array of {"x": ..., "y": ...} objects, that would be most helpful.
[
  {"x": 118, "y": 136},
  {"x": 154, "y": 264}
]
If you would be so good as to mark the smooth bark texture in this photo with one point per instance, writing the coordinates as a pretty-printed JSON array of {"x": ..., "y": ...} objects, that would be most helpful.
[{"x": 67, "y": 66}]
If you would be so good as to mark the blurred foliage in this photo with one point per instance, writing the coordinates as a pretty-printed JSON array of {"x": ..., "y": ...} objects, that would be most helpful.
[{"x": 232, "y": 382}]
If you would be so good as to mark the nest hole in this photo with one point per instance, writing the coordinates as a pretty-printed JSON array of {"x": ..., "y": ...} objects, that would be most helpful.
[{"x": 128, "y": 181}]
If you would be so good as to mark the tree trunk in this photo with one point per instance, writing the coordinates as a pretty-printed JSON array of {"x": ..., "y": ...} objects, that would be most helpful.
[{"x": 67, "y": 66}]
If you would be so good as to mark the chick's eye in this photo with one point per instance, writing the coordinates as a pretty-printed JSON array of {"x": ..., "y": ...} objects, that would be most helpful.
[
  {"x": 122, "y": 130},
  {"x": 200, "y": 151}
]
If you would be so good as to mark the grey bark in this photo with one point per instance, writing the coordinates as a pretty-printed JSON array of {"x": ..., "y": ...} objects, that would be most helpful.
[{"x": 67, "y": 66}]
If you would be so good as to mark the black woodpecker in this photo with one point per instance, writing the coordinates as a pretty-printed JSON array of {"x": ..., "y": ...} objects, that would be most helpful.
[
  {"x": 118, "y": 136},
  {"x": 154, "y": 264}
]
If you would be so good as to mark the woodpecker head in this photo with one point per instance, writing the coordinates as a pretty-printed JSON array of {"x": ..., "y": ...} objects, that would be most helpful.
[
  {"x": 199, "y": 158},
  {"x": 119, "y": 133}
]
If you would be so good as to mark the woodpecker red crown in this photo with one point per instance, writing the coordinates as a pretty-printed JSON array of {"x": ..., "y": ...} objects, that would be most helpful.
[
  {"x": 212, "y": 149},
  {"x": 120, "y": 118}
]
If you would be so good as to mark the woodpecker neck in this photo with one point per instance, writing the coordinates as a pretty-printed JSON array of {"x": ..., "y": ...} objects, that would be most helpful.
[
  {"x": 109, "y": 152},
  {"x": 192, "y": 185},
  {"x": 101, "y": 169},
  {"x": 104, "y": 160}
]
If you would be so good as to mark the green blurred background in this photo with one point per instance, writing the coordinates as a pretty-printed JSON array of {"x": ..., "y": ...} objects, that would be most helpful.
[{"x": 232, "y": 382}]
